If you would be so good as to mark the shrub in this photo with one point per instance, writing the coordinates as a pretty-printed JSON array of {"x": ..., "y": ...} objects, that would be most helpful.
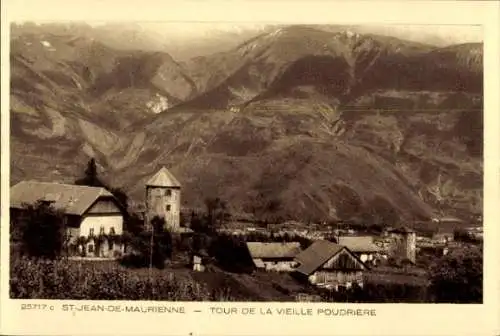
[
  {"x": 458, "y": 276},
  {"x": 140, "y": 244},
  {"x": 379, "y": 293},
  {"x": 39, "y": 231}
]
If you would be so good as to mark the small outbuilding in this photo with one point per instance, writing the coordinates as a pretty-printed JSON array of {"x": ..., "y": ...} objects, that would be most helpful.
[
  {"x": 198, "y": 264},
  {"x": 274, "y": 256},
  {"x": 362, "y": 246}
]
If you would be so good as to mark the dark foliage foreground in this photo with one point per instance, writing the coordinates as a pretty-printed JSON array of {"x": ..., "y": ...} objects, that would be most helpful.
[
  {"x": 458, "y": 277},
  {"x": 66, "y": 279}
]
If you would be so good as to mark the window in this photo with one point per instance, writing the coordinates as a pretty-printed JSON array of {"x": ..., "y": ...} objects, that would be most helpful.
[
  {"x": 169, "y": 207},
  {"x": 68, "y": 235},
  {"x": 90, "y": 248},
  {"x": 46, "y": 203},
  {"x": 91, "y": 232},
  {"x": 101, "y": 230},
  {"x": 110, "y": 244},
  {"x": 112, "y": 230},
  {"x": 168, "y": 192}
]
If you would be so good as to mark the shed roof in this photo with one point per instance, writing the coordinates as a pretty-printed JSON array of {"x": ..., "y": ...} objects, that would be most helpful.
[
  {"x": 273, "y": 250},
  {"x": 450, "y": 219},
  {"x": 401, "y": 229},
  {"x": 72, "y": 199},
  {"x": 358, "y": 243},
  {"x": 316, "y": 255},
  {"x": 163, "y": 178}
]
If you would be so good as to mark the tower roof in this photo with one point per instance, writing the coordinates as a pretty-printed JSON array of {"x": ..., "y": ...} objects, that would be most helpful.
[{"x": 163, "y": 178}]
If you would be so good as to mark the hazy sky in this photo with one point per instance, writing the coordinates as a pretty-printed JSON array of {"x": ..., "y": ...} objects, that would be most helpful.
[
  {"x": 185, "y": 31},
  {"x": 445, "y": 19},
  {"x": 450, "y": 33}
]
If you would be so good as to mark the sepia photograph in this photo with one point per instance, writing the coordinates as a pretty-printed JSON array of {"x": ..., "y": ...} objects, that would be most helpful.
[
  {"x": 180, "y": 161},
  {"x": 203, "y": 168}
]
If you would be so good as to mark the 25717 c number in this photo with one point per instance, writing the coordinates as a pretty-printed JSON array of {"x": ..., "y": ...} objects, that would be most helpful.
[{"x": 36, "y": 306}]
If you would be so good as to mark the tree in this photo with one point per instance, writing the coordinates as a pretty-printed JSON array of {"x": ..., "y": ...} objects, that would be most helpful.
[
  {"x": 197, "y": 224},
  {"x": 231, "y": 253},
  {"x": 91, "y": 179},
  {"x": 162, "y": 242},
  {"x": 216, "y": 212},
  {"x": 41, "y": 231},
  {"x": 133, "y": 224},
  {"x": 144, "y": 252},
  {"x": 464, "y": 236},
  {"x": 458, "y": 276}
]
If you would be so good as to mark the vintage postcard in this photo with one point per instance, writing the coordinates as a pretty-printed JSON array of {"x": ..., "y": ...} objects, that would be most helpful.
[{"x": 247, "y": 168}]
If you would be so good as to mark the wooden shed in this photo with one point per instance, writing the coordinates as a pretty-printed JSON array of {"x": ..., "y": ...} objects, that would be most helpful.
[{"x": 326, "y": 264}]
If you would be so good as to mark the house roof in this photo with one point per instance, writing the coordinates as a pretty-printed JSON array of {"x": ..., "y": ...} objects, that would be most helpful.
[
  {"x": 450, "y": 220},
  {"x": 442, "y": 234},
  {"x": 358, "y": 244},
  {"x": 273, "y": 250},
  {"x": 181, "y": 229},
  {"x": 316, "y": 255},
  {"x": 163, "y": 178},
  {"x": 402, "y": 229},
  {"x": 259, "y": 263},
  {"x": 72, "y": 199}
]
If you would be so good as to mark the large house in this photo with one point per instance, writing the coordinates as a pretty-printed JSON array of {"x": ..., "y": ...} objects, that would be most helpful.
[
  {"x": 274, "y": 256},
  {"x": 90, "y": 214},
  {"x": 330, "y": 265},
  {"x": 362, "y": 246}
]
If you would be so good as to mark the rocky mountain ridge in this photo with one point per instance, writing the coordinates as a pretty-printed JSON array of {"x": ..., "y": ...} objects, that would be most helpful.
[{"x": 294, "y": 123}]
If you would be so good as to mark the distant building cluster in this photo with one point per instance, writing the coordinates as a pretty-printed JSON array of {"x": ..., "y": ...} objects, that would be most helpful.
[
  {"x": 330, "y": 264},
  {"x": 234, "y": 108}
]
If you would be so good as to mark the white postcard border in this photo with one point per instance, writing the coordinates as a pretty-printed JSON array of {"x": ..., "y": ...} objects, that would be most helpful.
[{"x": 390, "y": 319}]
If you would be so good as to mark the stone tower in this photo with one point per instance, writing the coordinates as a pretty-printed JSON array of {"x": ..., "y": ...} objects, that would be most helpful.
[
  {"x": 163, "y": 199},
  {"x": 410, "y": 239},
  {"x": 404, "y": 244}
]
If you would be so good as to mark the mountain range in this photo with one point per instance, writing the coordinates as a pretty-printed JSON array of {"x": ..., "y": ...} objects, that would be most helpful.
[{"x": 298, "y": 122}]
